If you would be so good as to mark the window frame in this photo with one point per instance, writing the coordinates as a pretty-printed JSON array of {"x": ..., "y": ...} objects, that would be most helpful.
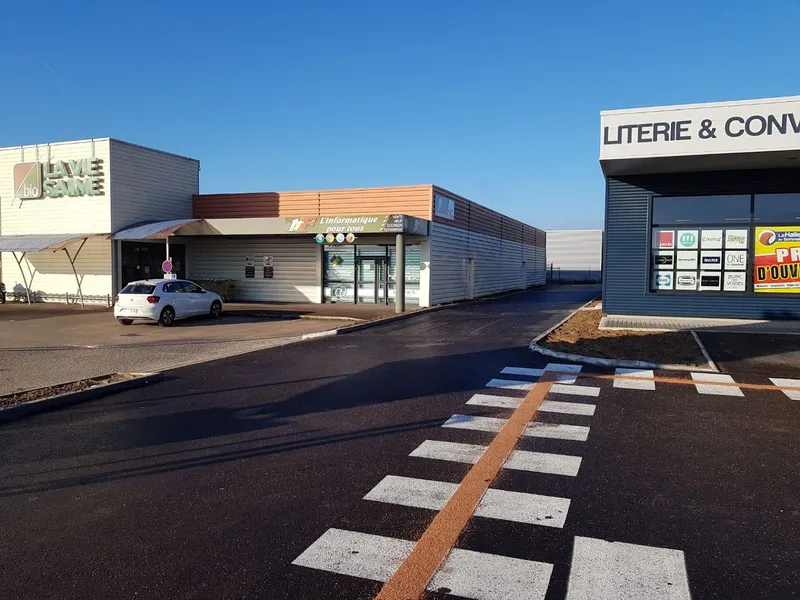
[{"x": 750, "y": 226}]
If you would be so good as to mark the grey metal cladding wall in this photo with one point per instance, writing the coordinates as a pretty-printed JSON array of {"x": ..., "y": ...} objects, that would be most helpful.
[
  {"x": 627, "y": 240},
  {"x": 576, "y": 254}
]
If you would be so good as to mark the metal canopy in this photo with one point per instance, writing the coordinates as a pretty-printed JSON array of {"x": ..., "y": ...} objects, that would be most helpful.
[
  {"x": 152, "y": 230},
  {"x": 41, "y": 242},
  {"x": 38, "y": 242}
]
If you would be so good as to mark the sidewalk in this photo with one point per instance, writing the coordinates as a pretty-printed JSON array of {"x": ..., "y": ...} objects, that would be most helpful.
[
  {"x": 647, "y": 323},
  {"x": 365, "y": 312}
]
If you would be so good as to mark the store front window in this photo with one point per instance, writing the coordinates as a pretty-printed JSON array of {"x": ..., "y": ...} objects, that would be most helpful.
[
  {"x": 143, "y": 260},
  {"x": 725, "y": 244},
  {"x": 366, "y": 274}
]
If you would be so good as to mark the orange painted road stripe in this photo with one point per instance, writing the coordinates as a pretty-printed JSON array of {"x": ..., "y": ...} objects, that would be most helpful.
[
  {"x": 411, "y": 579},
  {"x": 681, "y": 381}
]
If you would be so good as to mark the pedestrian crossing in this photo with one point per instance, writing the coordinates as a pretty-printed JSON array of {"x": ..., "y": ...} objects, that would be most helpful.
[{"x": 599, "y": 569}]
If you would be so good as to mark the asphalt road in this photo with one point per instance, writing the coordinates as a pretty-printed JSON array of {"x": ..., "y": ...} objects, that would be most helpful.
[
  {"x": 211, "y": 483},
  {"x": 64, "y": 347}
]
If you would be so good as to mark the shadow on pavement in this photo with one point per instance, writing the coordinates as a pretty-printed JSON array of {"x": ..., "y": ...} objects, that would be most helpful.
[{"x": 196, "y": 414}]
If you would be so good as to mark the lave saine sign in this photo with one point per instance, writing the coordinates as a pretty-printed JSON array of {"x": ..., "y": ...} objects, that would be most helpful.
[{"x": 81, "y": 177}]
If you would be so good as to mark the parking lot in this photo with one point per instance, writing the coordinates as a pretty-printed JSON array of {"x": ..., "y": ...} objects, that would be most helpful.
[{"x": 45, "y": 345}]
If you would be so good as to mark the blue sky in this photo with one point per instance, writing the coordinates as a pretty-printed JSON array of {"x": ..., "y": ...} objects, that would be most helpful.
[{"x": 498, "y": 101}]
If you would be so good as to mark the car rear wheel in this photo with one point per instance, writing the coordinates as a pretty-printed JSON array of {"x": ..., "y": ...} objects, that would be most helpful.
[
  {"x": 216, "y": 309},
  {"x": 125, "y": 321},
  {"x": 167, "y": 317}
]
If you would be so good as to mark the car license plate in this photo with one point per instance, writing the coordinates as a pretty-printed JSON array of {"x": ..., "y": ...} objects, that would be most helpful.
[{"x": 131, "y": 310}]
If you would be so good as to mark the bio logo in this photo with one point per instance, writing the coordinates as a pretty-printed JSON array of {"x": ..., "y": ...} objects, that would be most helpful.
[{"x": 688, "y": 239}]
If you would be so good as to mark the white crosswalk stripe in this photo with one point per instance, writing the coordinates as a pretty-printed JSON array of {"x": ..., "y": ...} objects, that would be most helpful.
[
  {"x": 526, "y": 372},
  {"x": 557, "y": 431},
  {"x": 604, "y": 570},
  {"x": 792, "y": 394},
  {"x": 520, "y": 460},
  {"x": 468, "y": 574},
  {"x": 373, "y": 557},
  {"x": 717, "y": 390},
  {"x": 490, "y": 424},
  {"x": 575, "y": 390},
  {"x": 641, "y": 379},
  {"x": 535, "y": 429},
  {"x": 495, "y": 401},
  {"x": 567, "y": 408},
  {"x": 509, "y": 384},
  {"x": 491, "y": 577},
  {"x": 519, "y": 507}
]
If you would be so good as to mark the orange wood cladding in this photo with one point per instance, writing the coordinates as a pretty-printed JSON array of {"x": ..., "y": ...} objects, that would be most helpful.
[{"x": 414, "y": 200}]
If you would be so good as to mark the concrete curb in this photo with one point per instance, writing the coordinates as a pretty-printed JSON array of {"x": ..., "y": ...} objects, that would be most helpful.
[
  {"x": 613, "y": 362},
  {"x": 33, "y": 407},
  {"x": 541, "y": 336},
  {"x": 706, "y": 355},
  {"x": 610, "y": 362}
]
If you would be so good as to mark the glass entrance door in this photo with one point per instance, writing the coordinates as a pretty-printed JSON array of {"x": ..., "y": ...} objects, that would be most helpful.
[{"x": 372, "y": 276}]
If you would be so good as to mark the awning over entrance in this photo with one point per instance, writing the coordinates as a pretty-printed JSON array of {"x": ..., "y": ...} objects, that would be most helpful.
[
  {"x": 40, "y": 242},
  {"x": 154, "y": 230}
]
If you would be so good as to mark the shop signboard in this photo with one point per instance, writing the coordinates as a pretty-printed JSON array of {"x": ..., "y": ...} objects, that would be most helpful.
[
  {"x": 81, "y": 177},
  {"x": 710, "y": 281},
  {"x": 663, "y": 280},
  {"x": 735, "y": 282},
  {"x": 686, "y": 260},
  {"x": 700, "y": 129},
  {"x": 686, "y": 280},
  {"x": 687, "y": 240},
  {"x": 344, "y": 225},
  {"x": 665, "y": 259},
  {"x": 711, "y": 259},
  {"x": 664, "y": 240},
  {"x": 776, "y": 267},
  {"x": 735, "y": 260},
  {"x": 711, "y": 239},
  {"x": 736, "y": 239}
]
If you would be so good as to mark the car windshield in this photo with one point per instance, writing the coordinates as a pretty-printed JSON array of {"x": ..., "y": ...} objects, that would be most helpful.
[{"x": 139, "y": 288}]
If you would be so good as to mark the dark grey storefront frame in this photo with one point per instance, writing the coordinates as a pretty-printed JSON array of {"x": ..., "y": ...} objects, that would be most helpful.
[{"x": 626, "y": 281}]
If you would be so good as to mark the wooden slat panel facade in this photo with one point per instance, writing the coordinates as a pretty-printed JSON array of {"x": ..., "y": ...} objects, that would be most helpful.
[
  {"x": 415, "y": 201},
  {"x": 512, "y": 229}
]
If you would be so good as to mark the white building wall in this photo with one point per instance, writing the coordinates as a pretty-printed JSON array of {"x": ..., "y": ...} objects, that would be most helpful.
[
  {"x": 150, "y": 185},
  {"x": 51, "y": 273},
  {"x": 575, "y": 255},
  {"x": 296, "y": 275},
  {"x": 498, "y": 264}
]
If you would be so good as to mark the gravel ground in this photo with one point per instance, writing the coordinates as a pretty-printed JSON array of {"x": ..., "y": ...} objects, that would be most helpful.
[{"x": 582, "y": 335}]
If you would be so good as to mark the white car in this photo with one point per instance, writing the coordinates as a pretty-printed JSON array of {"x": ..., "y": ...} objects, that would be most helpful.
[{"x": 164, "y": 301}]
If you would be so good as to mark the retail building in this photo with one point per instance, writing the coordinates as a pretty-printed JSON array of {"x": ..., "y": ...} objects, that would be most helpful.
[
  {"x": 83, "y": 218},
  {"x": 703, "y": 209}
]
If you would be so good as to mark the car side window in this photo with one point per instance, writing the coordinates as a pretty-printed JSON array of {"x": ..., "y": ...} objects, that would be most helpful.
[
  {"x": 193, "y": 288},
  {"x": 169, "y": 288}
]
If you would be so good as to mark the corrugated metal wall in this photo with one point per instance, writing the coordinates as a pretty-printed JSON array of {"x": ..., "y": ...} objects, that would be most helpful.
[
  {"x": 295, "y": 273},
  {"x": 498, "y": 264},
  {"x": 575, "y": 255},
  {"x": 149, "y": 185},
  {"x": 627, "y": 245}
]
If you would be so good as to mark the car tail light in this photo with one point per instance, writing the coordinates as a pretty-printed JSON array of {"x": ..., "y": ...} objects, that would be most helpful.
[
  {"x": 116, "y": 299},
  {"x": 153, "y": 299}
]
